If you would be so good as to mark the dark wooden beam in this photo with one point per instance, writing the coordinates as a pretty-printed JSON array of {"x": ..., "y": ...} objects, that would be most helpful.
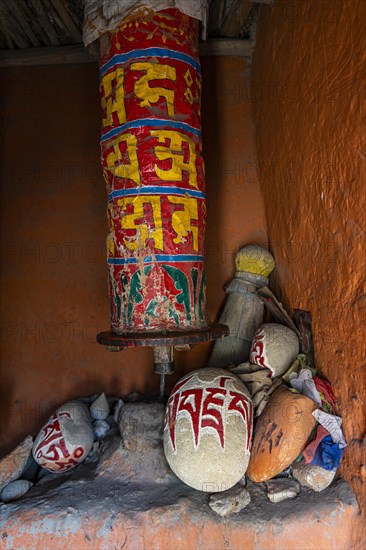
[
  {"x": 227, "y": 46},
  {"x": 76, "y": 53},
  {"x": 56, "y": 55}
]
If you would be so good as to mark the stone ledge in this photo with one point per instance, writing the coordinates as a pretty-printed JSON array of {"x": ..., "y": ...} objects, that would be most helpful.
[
  {"x": 97, "y": 508},
  {"x": 129, "y": 498}
]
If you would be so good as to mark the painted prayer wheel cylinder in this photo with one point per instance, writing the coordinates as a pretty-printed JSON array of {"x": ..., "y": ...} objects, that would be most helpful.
[{"x": 152, "y": 162}]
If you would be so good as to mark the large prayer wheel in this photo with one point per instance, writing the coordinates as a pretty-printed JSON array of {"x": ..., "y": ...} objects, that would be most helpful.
[{"x": 150, "y": 86}]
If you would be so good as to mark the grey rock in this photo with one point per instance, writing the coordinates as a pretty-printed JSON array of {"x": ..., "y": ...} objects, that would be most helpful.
[
  {"x": 134, "y": 396},
  {"x": 230, "y": 502},
  {"x": 94, "y": 453},
  {"x": 139, "y": 453},
  {"x": 116, "y": 409},
  {"x": 12, "y": 465},
  {"x": 312, "y": 476},
  {"x": 141, "y": 424},
  {"x": 111, "y": 421},
  {"x": 99, "y": 409},
  {"x": 100, "y": 428},
  {"x": 31, "y": 469},
  {"x": 15, "y": 489},
  {"x": 280, "y": 489}
]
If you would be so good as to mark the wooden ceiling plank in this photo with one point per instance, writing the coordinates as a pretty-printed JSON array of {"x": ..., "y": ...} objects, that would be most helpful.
[
  {"x": 35, "y": 24},
  {"x": 235, "y": 18},
  {"x": 73, "y": 31},
  {"x": 16, "y": 40},
  {"x": 16, "y": 9},
  {"x": 45, "y": 22},
  {"x": 11, "y": 26},
  {"x": 74, "y": 16},
  {"x": 58, "y": 24},
  {"x": 215, "y": 16}
]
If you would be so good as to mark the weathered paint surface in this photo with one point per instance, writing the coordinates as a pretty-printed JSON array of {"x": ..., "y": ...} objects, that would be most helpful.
[
  {"x": 54, "y": 292},
  {"x": 152, "y": 163},
  {"x": 131, "y": 499},
  {"x": 184, "y": 524},
  {"x": 308, "y": 92}
]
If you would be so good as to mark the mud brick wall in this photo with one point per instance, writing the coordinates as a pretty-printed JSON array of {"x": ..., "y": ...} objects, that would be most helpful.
[{"x": 308, "y": 92}]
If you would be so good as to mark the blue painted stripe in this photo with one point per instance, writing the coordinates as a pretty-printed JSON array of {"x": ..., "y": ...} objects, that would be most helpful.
[
  {"x": 159, "y": 257},
  {"x": 154, "y": 122},
  {"x": 121, "y": 58},
  {"x": 155, "y": 190}
]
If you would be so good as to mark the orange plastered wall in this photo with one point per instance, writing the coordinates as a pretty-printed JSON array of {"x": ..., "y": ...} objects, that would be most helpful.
[
  {"x": 54, "y": 293},
  {"x": 308, "y": 94}
]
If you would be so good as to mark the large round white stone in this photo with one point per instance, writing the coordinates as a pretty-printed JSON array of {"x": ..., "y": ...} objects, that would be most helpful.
[
  {"x": 65, "y": 439},
  {"x": 274, "y": 347},
  {"x": 208, "y": 430}
]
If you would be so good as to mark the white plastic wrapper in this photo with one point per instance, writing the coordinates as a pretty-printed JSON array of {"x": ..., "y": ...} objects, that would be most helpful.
[{"x": 101, "y": 16}]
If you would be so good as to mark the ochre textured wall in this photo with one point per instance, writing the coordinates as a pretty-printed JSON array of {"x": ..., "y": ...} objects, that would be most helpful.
[
  {"x": 308, "y": 93},
  {"x": 54, "y": 294}
]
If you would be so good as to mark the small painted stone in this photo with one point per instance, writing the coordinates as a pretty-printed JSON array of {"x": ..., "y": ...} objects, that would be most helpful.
[
  {"x": 280, "y": 433},
  {"x": 208, "y": 430},
  {"x": 15, "y": 489},
  {"x": 65, "y": 439},
  {"x": 99, "y": 409},
  {"x": 274, "y": 347},
  {"x": 313, "y": 476}
]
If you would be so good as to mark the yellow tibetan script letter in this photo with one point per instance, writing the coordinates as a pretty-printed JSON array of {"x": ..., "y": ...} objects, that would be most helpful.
[
  {"x": 113, "y": 100},
  {"x": 154, "y": 71},
  {"x": 115, "y": 159},
  {"x": 143, "y": 231},
  {"x": 175, "y": 152},
  {"x": 181, "y": 219}
]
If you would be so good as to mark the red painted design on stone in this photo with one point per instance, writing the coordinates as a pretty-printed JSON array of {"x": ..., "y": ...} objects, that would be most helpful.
[
  {"x": 211, "y": 415},
  {"x": 257, "y": 352},
  {"x": 193, "y": 409},
  {"x": 52, "y": 448},
  {"x": 205, "y": 408},
  {"x": 241, "y": 404}
]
